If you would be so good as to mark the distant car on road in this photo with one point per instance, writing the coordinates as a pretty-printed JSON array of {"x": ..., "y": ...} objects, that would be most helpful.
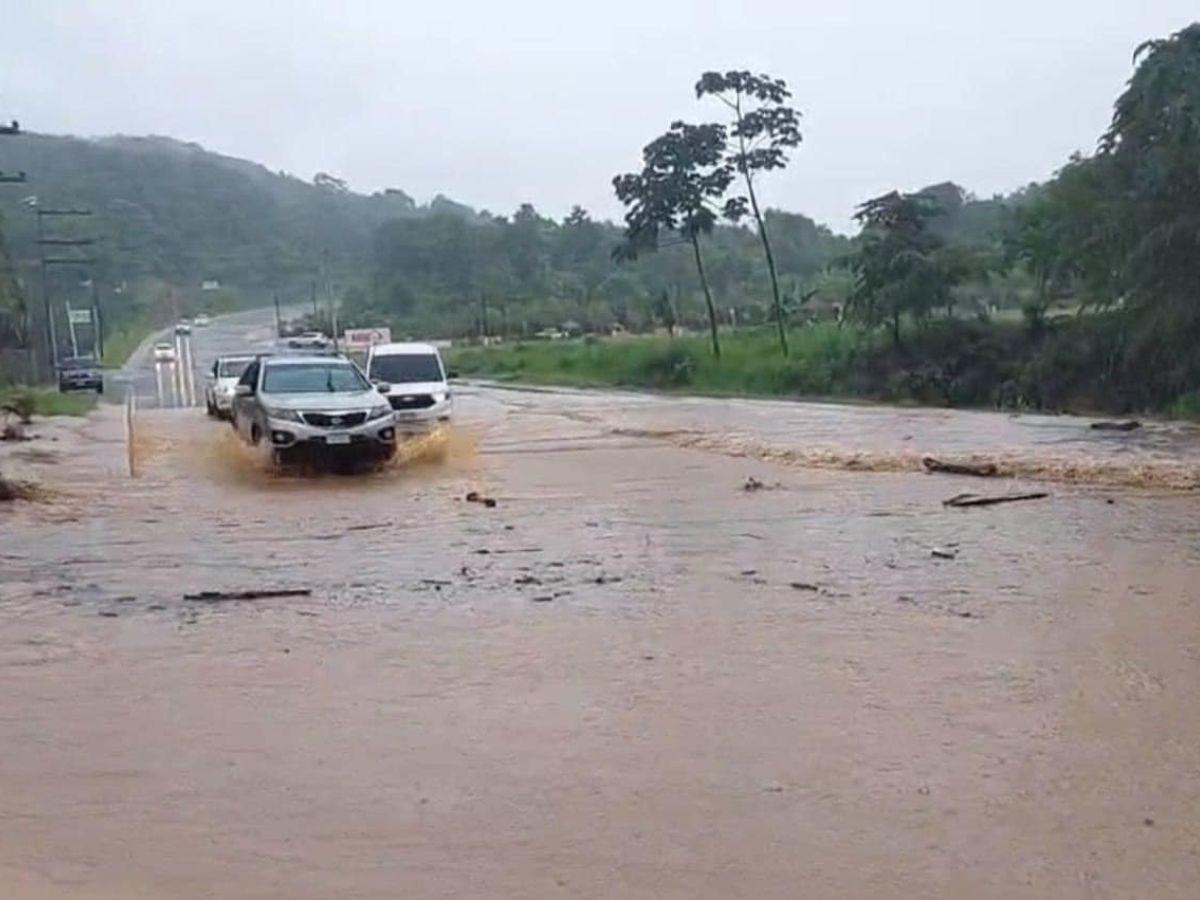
[
  {"x": 184, "y": 326},
  {"x": 309, "y": 340},
  {"x": 220, "y": 382},
  {"x": 317, "y": 403},
  {"x": 164, "y": 352},
  {"x": 80, "y": 373},
  {"x": 415, "y": 378},
  {"x": 201, "y": 320}
]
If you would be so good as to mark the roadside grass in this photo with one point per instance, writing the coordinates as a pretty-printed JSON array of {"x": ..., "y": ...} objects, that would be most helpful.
[
  {"x": 991, "y": 365},
  {"x": 822, "y": 362},
  {"x": 24, "y": 402},
  {"x": 120, "y": 344},
  {"x": 1186, "y": 407}
]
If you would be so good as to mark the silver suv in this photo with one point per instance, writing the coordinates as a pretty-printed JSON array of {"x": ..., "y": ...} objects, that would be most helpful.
[{"x": 317, "y": 402}]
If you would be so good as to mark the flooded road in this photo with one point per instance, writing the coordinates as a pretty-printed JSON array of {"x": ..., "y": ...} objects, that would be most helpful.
[{"x": 632, "y": 677}]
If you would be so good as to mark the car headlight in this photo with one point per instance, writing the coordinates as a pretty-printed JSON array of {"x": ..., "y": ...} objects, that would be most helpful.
[
  {"x": 378, "y": 412},
  {"x": 278, "y": 412}
]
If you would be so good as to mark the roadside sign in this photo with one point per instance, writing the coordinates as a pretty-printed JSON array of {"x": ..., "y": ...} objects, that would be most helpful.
[
  {"x": 362, "y": 338},
  {"x": 79, "y": 316}
]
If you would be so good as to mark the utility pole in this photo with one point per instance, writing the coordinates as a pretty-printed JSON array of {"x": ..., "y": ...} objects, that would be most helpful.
[
  {"x": 47, "y": 261},
  {"x": 97, "y": 324},
  {"x": 278, "y": 320},
  {"x": 11, "y": 130},
  {"x": 327, "y": 287},
  {"x": 22, "y": 325}
]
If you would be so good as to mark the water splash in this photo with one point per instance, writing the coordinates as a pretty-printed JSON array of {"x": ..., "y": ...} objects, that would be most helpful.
[
  {"x": 223, "y": 457},
  {"x": 1138, "y": 472}
]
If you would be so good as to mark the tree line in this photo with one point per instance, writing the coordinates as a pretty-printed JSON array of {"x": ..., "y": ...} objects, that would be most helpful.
[{"x": 1114, "y": 237}]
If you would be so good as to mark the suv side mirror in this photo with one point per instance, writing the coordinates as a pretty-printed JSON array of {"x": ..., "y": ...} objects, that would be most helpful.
[
  {"x": 382, "y": 386},
  {"x": 453, "y": 373},
  {"x": 243, "y": 390}
]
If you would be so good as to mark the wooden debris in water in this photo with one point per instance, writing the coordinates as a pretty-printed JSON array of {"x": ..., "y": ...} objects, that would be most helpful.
[
  {"x": 966, "y": 500},
  {"x": 1129, "y": 425},
  {"x": 980, "y": 470},
  {"x": 219, "y": 596}
]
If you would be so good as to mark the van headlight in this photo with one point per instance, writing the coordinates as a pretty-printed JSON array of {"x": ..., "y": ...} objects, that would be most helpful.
[
  {"x": 279, "y": 412},
  {"x": 378, "y": 412}
]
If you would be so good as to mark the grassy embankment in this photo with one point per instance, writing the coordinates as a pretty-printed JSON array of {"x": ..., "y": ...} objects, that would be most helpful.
[
  {"x": 750, "y": 363},
  {"x": 1064, "y": 366},
  {"x": 120, "y": 344},
  {"x": 24, "y": 402}
]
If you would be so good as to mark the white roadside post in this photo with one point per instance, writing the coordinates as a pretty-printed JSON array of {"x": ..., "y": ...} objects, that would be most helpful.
[{"x": 130, "y": 407}]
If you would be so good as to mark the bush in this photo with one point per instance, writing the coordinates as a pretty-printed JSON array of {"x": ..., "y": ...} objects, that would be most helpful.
[
  {"x": 24, "y": 403},
  {"x": 672, "y": 367},
  {"x": 21, "y": 403}
]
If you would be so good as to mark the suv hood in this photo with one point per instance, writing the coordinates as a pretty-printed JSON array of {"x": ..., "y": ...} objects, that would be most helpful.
[{"x": 325, "y": 402}]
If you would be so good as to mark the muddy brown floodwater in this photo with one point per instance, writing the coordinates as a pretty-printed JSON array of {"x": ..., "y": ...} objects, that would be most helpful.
[{"x": 631, "y": 678}]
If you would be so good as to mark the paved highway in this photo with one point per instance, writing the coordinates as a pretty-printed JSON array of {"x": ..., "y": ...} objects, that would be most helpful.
[{"x": 180, "y": 383}]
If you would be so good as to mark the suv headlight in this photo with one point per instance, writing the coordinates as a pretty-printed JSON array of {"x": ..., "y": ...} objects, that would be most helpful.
[
  {"x": 378, "y": 412},
  {"x": 279, "y": 412}
]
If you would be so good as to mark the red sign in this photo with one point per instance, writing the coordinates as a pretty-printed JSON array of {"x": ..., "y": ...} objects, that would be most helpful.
[{"x": 363, "y": 338}]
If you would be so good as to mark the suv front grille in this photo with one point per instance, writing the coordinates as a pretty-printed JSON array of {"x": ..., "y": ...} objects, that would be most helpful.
[
  {"x": 411, "y": 401},
  {"x": 332, "y": 420}
]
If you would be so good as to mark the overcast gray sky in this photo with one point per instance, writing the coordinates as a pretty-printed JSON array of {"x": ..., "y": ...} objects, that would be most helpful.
[{"x": 497, "y": 103}]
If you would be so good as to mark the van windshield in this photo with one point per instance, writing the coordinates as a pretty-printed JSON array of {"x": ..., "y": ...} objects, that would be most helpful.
[
  {"x": 407, "y": 368},
  {"x": 233, "y": 368}
]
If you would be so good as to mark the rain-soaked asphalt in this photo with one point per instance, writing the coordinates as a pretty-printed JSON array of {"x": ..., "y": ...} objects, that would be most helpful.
[{"x": 631, "y": 678}]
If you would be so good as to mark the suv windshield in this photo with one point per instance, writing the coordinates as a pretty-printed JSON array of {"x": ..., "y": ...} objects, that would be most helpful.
[
  {"x": 407, "y": 368},
  {"x": 313, "y": 378},
  {"x": 233, "y": 368}
]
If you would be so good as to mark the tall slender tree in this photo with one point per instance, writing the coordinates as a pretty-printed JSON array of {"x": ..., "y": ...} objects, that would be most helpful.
[
  {"x": 764, "y": 127},
  {"x": 683, "y": 178}
]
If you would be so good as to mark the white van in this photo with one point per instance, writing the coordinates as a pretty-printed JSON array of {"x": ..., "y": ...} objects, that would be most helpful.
[{"x": 415, "y": 379}]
